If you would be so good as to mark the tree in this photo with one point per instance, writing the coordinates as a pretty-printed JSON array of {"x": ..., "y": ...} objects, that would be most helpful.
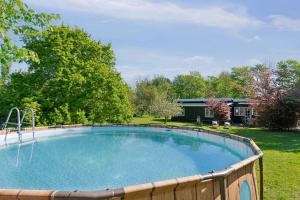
[
  {"x": 189, "y": 86},
  {"x": 224, "y": 87},
  {"x": 221, "y": 110},
  {"x": 164, "y": 107},
  {"x": 17, "y": 20},
  {"x": 242, "y": 82},
  {"x": 147, "y": 90},
  {"x": 273, "y": 104},
  {"x": 28, "y": 102},
  {"x": 211, "y": 86},
  {"x": 162, "y": 84},
  {"x": 234, "y": 84},
  {"x": 288, "y": 73},
  {"x": 293, "y": 96},
  {"x": 292, "y": 99},
  {"x": 145, "y": 93},
  {"x": 17, "y": 92},
  {"x": 75, "y": 73}
]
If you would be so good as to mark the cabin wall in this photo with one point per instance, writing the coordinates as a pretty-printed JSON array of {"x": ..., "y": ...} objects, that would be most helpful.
[{"x": 191, "y": 113}]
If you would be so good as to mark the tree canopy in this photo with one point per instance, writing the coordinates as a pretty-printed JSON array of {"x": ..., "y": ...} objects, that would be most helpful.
[
  {"x": 17, "y": 21},
  {"x": 189, "y": 86},
  {"x": 288, "y": 73},
  {"x": 75, "y": 80}
]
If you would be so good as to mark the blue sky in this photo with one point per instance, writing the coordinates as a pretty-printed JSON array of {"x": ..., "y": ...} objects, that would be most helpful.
[{"x": 176, "y": 37}]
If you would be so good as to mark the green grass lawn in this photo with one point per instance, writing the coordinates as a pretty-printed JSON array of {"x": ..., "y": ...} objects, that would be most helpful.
[{"x": 281, "y": 156}]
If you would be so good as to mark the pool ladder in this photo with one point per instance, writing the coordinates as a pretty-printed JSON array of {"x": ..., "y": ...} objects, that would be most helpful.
[{"x": 20, "y": 122}]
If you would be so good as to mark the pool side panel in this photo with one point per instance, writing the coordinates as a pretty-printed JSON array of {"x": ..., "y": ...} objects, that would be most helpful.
[
  {"x": 221, "y": 185},
  {"x": 164, "y": 190}
]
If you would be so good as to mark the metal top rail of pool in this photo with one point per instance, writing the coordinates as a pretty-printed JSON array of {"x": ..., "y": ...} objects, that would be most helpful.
[{"x": 20, "y": 122}]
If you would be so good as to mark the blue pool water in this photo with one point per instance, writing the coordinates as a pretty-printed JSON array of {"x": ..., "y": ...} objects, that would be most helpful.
[{"x": 112, "y": 157}]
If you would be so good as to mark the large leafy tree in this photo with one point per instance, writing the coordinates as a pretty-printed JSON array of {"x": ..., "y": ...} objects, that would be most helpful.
[
  {"x": 146, "y": 91},
  {"x": 234, "y": 84},
  {"x": 189, "y": 86},
  {"x": 220, "y": 86},
  {"x": 144, "y": 95},
  {"x": 162, "y": 84},
  {"x": 75, "y": 79},
  {"x": 288, "y": 73},
  {"x": 225, "y": 86},
  {"x": 17, "y": 20},
  {"x": 242, "y": 80}
]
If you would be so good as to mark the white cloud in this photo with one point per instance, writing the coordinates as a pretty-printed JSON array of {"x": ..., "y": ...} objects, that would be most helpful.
[
  {"x": 285, "y": 23},
  {"x": 158, "y": 12}
]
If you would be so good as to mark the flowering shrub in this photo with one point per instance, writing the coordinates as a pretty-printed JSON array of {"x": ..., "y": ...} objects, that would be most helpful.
[{"x": 220, "y": 109}]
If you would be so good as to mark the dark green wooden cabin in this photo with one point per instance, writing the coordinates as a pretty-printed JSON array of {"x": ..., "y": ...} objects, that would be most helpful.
[{"x": 196, "y": 110}]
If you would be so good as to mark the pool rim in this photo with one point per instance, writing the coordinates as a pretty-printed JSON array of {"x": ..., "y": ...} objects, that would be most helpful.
[{"x": 120, "y": 192}]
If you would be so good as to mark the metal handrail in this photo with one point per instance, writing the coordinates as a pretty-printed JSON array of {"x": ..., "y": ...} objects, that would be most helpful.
[
  {"x": 32, "y": 119},
  {"x": 18, "y": 124}
]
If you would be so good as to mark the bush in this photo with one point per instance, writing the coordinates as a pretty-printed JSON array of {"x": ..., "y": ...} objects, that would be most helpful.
[
  {"x": 61, "y": 115},
  {"x": 220, "y": 109},
  {"x": 80, "y": 117}
]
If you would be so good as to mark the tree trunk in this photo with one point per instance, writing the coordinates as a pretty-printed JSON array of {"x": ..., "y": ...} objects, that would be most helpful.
[{"x": 166, "y": 119}]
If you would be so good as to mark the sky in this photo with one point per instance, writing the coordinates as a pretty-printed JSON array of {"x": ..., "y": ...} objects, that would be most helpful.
[{"x": 151, "y": 37}]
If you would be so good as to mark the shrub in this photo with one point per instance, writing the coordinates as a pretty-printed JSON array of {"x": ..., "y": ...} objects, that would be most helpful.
[
  {"x": 220, "y": 109},
  {"x": 80, "y": 117},
  {"x": 61, "y": 115}
]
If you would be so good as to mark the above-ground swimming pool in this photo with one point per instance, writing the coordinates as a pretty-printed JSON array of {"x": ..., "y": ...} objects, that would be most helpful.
[{"x": 93, "y": 158}]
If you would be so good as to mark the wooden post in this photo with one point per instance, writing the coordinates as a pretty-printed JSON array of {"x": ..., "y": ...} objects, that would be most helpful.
[
  {"x": 261, "y": 175},
  {"x": 223, "y": 188}
]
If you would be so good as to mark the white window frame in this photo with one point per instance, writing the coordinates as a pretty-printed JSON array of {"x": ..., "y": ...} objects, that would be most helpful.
[
  {"x": 254, "y": 113},
  {"x": 208, "y": 113},
  {"x": 240, "y": 111}
]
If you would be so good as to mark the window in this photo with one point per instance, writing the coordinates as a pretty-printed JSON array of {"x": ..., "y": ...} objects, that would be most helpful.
[
  {"x": 243, "y": 111},
  {"x": 245, "y": 191},
  {"x": 208, "y": 113},
  {"x": 240, "y": 111},
  {"x": 254, "y": 113}
]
